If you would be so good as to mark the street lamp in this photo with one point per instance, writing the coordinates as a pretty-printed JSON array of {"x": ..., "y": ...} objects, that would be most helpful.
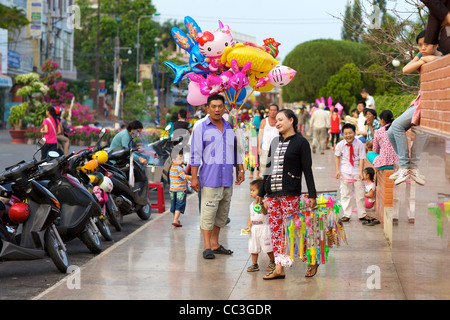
[{"x": 157, "y": 81}]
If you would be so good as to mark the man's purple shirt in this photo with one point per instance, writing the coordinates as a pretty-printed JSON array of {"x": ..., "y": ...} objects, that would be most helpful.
[{"x": 213, "y": 151}]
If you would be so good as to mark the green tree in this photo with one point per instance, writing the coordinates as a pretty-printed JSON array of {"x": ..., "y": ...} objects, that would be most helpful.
[
  {"x": 12, "y": 18},
  {"x": 352, "y": 22},
  {"x": 316, "y": 61},
  {"x": 344, "y": 86}
]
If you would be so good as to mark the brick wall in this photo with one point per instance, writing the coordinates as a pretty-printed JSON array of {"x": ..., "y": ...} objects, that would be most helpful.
[{"x": 435, "y": 104}]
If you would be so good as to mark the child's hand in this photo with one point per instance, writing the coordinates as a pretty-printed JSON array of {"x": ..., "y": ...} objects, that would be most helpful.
[
  {"x": 338, "y": 175},
  {"x": 247, "y": 228}
]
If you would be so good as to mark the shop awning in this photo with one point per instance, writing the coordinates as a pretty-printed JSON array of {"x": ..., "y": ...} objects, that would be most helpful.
[{"x": 5, "y": 82}]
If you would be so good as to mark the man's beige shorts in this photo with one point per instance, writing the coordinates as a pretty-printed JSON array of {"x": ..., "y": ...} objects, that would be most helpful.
[{"x": 215, "y": 207}]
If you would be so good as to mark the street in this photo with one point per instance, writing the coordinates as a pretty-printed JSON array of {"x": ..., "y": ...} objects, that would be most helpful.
[{"x": 21, "y": 280}]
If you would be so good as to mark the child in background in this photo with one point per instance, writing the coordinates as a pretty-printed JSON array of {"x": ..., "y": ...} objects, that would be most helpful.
[
  {"x": 178, "y": 188},
  {"x": 258, "y": 225},
  {"x": 369, "y": 175},
  {"x": 369, "y": 193},
  {"x": 349, "y": 163},
  {"x": 335, "y": 128}
]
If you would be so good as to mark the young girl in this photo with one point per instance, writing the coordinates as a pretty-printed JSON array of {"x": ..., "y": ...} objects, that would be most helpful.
[
  {"x": 258, "y": 226},
  {"x": 50, "y": 128},
  {"x": 369, "y": 193},
  {"x": 335, "y": 128}
]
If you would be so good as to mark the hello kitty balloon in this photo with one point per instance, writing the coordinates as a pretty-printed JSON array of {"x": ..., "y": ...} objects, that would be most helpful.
[{"x": 213, "y": 44}]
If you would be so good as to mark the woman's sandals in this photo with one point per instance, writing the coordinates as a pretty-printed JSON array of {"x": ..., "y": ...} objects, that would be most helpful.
[{"x": 311, "y": 271}]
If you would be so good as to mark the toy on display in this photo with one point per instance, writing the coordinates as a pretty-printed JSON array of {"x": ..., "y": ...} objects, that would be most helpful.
[
  {"x": 218, "y": 64},
  {"x": 309, "y": 234}
]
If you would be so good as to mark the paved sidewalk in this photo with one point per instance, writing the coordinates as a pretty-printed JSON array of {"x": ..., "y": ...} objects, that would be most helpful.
[{"x": 160, "y": 262}]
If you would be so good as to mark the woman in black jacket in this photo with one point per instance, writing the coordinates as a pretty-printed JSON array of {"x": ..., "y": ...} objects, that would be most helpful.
[{"x": 291, "y": 158}]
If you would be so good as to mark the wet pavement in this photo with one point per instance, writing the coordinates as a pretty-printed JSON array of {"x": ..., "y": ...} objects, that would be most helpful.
[{"x": 161, "y": 262}]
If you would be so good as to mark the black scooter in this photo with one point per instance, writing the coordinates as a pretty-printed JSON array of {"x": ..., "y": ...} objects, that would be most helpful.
[
  {"x": 78, "y": 205},
  {"x": 128, "y": 198},
  {"x": 37, "y": 235}
]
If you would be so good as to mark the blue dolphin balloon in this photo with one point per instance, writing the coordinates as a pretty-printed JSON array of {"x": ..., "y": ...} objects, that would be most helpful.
[{"x": 197, "y": 63}]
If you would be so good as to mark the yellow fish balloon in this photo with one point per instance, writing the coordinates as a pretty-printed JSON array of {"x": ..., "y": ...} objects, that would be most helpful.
[
  {"x": 261, "y": 61},
  {"x": 253, "y": 79}
]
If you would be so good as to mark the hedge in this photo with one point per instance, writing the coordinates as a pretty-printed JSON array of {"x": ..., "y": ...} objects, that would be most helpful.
[{"x": 397, "y": 104}]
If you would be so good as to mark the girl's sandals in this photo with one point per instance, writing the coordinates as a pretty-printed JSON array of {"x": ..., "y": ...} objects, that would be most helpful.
[
  {"x": 253, "y": 268},
  {"x": 311, "y": 271},
  {"x": 272, "y": 276}
]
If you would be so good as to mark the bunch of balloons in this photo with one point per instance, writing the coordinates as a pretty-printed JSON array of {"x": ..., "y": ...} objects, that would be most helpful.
[
  {"x": 218, "y": 64},
  {"x": 330, "y": 106}
]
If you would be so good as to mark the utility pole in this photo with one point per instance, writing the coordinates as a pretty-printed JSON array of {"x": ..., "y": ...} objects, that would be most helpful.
[
  {"x": 49, "y": 30},
  {"x": 97, "y": 60}
]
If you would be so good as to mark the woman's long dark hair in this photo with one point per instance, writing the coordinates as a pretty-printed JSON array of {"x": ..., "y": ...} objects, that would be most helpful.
[
  {"x": 290, "y": 115},
  {"x": 388, "y": 118},
  {"x": 53, "y": 114}
]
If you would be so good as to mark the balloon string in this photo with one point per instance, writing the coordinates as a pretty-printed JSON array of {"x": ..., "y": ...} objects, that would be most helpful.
[
  {"x": 226, "y": 96},
  {"x": 246, "y": 99}
]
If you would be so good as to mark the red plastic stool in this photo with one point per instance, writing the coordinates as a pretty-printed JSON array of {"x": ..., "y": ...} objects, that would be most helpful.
[{"x": 160, "y": 205}]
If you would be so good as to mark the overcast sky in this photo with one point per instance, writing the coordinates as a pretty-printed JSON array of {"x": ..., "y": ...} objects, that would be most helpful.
[{"x": 290, "y": 22}]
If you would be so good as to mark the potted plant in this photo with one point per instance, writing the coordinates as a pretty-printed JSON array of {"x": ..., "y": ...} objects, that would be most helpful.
[{"x": 31, "y": 89}]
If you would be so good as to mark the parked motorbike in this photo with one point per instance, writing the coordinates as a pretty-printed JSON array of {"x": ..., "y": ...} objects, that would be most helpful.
[
  {"x": 28, "y": 213},
  {"x": 78, "y": 206},
  {"x": 88, "y": 164},
  {"x": 162, "y": 150},
  {"x": 130, "y": 195}
]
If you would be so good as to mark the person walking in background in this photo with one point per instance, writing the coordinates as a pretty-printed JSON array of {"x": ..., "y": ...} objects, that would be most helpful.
[
  {"x": 335, "y": 127},
  {"x": 349, "y": 164},
  {"x": 213, "y": 157},
  {"x": 267, "y": 131},
  {"x": 319, "y": 123},
  {"x": 438, "y": 25},
  {"x": 259, "y": 229},
  {"x": 302, "y": 120},
  {"x": 283, "y": 186}
]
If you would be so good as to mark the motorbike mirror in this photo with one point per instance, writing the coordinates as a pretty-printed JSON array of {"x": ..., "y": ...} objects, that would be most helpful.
[
  {"x": 102, "y": 133},
  {"x": 41, "y": 143},
  {"x": 39, "y": 146}
]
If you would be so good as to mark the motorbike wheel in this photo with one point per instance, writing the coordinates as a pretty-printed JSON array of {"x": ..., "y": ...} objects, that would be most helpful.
[
  {"x": 90, "y": 238},
  {"x": 55, "y": 251},
  {"x": 113, "y": 214},
  {"x": 103, "y": 228},
  {"x": 145, "y": 212}
]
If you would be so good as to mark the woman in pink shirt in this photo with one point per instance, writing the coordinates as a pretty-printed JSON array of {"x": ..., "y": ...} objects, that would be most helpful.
[
  {"x": 50, "y": 129},
  {"x": 383, "y": 155}
]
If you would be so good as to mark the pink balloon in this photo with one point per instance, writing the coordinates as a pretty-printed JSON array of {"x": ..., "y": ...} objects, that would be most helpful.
[
  {"x": 195, "y": 97},
  {"x": 339, "y": 107}
]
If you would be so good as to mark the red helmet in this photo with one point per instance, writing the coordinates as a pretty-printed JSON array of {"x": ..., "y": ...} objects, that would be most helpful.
[{"x": 19, "y": 212}]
